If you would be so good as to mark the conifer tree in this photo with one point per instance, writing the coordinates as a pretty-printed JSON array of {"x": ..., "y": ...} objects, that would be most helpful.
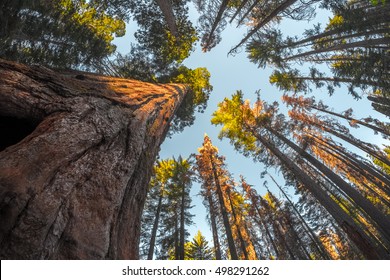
[
  {"x": 211, "y": 168},
  {"x": 199, "y": 248}
]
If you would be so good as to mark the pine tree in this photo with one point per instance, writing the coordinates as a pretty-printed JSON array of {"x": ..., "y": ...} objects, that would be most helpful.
[{"x": 199, "y": 248}]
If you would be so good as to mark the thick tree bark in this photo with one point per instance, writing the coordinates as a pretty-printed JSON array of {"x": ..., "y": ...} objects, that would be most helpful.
[{"x": 75, "y": 187}]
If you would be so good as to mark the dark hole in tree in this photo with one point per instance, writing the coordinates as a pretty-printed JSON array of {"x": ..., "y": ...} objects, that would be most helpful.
[{"x": 13, "y": 130}]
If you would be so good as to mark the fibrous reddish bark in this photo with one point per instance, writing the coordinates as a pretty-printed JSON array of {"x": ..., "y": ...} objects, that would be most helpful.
[{"x": 74, "y": 188}]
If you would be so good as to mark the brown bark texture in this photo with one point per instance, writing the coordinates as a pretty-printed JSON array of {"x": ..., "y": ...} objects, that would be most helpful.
[{"x": 74, "y": 188}]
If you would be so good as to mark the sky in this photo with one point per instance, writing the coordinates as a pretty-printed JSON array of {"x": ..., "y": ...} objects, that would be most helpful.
[{"x": 229, "y": 74}]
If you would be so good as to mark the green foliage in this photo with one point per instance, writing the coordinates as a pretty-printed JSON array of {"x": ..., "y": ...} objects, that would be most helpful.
[
  {"x": 383, "y": 166},
  {"x": 198, "y": 82},
  {"x": 65, "y": 34},
  {"x": 232, "y": 115},
  {"x": 198, "y": 248},
  {"x": 154, "y": 36}
]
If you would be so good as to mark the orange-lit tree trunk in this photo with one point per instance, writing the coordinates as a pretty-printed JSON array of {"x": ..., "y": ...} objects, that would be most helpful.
[
  {"x": 210, "y": 167},
  {"x": 233, "y": 211},
  {"x": 73, "y": 185}
]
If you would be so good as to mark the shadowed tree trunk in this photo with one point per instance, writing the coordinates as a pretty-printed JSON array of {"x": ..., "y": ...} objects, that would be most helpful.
[
  {"x": 75, "y": 161},
  {"x": 167, "y": 10}
]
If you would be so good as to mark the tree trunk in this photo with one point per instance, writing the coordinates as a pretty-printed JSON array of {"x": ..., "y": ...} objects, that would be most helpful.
[
  {"x": 155, "y": 227},
  {"x": 360, "y": 44},
  {"x": 167, "y": 10},
  {"x": 236, "y": 223},
  {"x": 313, "y": 237},
  {"x": 217, "y": 247},
  {"x": 229, "y": 235},
  {"x": 217, "y": 20},
  {"x": 74, "y": 188},
  {"x": 182, "y": 225},
  {"x": 373, "y": 127},
  {"x": 283, "y": 6}
]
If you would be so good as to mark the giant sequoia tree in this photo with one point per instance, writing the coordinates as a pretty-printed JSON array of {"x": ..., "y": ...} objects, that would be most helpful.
[{"x": 77, "y": 151}]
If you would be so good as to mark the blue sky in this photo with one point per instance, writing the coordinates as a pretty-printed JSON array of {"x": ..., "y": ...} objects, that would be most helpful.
[{"x": 229, "y": 74}]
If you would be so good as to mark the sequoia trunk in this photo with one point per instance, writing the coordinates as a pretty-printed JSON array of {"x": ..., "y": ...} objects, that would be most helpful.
[{"x": 74, "y": 184}]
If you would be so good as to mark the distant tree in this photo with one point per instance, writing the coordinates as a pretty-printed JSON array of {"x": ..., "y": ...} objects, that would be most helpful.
[
  {"x": 198, "y": 248},
  {"x": 309, "y": 103},
  {"x": 176, "y": 215},
  {"x": 151, "y": 216}
]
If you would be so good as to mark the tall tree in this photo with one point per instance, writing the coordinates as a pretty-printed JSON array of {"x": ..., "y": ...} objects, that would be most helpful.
[
  {"x": 175, "y": 209},
  {"x": 74, "y": 184},
  {"x": 211, "y": 169},
  {"x": 154, "y": 34},
  {"x": 163, "y": 171},
  {"x": 309, "y": 103},
  {"x": 212, "y": 21}
]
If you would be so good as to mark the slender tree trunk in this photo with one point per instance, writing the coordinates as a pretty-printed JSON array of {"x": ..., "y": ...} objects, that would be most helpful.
[
  {"x": 353, "y": 166},
  {"x": 217, "y": 247},
  {"x": 75, "y": 186},
  {"x": 217, "y": 19},
  {"x": 266, "y": 20},
  {"x": 373, "y": 127},
  {"x": 242, "y": 5},
  {"x": 267, "y": 232},
  {"x": 360, "y": 44},
  {"x": 182, "y": 225},
  {"x": 155, "y": 227},
  {"x": 167, "y": 10},
  {"x": 360, "y": 165},
  {"x": 225, "y": 218},
  {"x": 176, "y": 237},
  {"x": 242, "y": 241},
  {"x": 340, "y": 37}
]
